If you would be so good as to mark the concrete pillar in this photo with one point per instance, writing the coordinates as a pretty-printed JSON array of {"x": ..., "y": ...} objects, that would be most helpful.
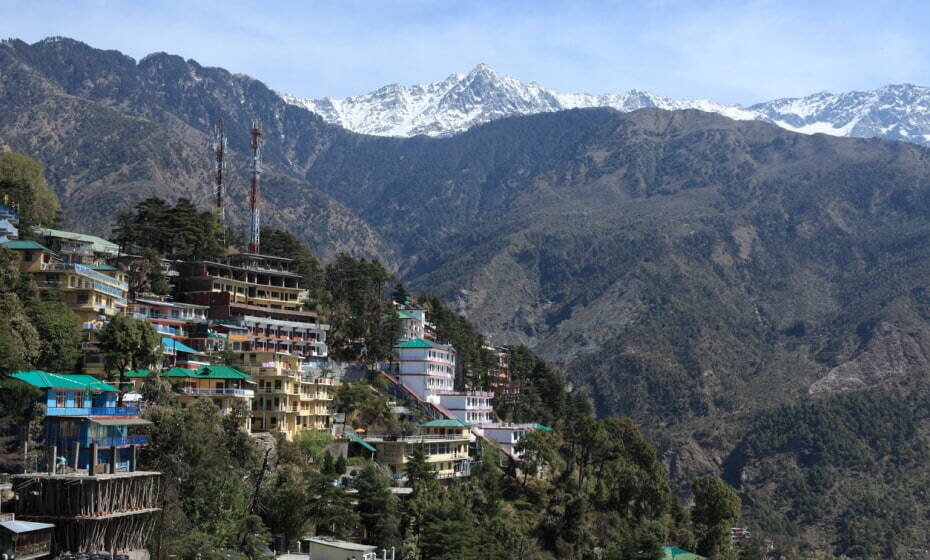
[
  {"x": 75, "y": 455},
  {"x": 133, "y": 449},
  {"x": 93, "y": 458},
  {"x": 54, "y": 460},
  {"x": 113, "y": 453}
]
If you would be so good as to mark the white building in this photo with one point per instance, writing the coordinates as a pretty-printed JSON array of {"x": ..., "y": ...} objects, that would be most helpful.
[
  {"x": 427, "y": 368},
  {"x": 507, "y": 435},
  {"x": 412, "y": 321},
  {"x": 473, "y": 407}
]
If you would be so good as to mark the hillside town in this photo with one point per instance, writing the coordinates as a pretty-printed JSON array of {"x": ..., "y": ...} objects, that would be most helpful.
[{"x": 246, "y": 309}]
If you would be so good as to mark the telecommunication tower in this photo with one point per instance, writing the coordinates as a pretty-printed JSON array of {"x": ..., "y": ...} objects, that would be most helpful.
[
  {"x": 254, "y": 197},
  {"x": 219, "y": 151}
]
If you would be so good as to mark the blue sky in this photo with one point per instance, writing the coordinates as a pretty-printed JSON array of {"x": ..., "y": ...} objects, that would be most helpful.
[{"x": 738, "y": 52}]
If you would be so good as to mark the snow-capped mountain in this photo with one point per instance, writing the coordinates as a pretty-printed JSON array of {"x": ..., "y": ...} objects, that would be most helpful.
[{"x": 898, "y": 112}]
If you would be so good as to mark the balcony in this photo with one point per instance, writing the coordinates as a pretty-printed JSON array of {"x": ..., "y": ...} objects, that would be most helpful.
[
  {"x": 415, "y": 438},
  {"x": 86, "y": 272},
  {"x": 244, "y": 393},
  {"x": 92, "y": 411},
  {"x": 123, "y": 441}
]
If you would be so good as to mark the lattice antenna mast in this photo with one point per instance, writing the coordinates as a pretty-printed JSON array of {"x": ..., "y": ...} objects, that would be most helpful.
[
  {"x": 254, "y": 197},
  {"x": 219, "y": 151}
]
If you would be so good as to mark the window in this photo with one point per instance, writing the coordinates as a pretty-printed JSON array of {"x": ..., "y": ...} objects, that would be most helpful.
[
  {"x": 78, "y": 400},
  {"x": 61, "y": 399}
]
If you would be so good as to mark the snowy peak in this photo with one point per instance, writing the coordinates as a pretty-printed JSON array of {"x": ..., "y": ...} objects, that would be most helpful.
[{"x": 455, "y": 104}]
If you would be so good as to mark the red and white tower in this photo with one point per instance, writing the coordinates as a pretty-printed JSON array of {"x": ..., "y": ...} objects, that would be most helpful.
[{"x": 254, "y": 197}]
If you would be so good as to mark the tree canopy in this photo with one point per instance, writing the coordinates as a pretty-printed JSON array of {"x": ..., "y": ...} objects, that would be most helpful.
[{"x": 22, "y": 185}]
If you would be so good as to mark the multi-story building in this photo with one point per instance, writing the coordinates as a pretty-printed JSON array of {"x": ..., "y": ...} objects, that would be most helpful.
[
  {"x": 507, "y": 435},
  {"x": 413, "y": 321},
  {"x": 93, "y": 292},
  {"x": 426, "y": 367},
  {"x": 473, "y": 407},
  {"x": 445, "y": 443},
  {"x": 288, "y": 399},
  {"x": 262, "y": 294},
  {"x": 173, "y": 321},
  {"x": 257, "y": 280},
  {"x": 225, "y": 386},
  {"x": 500, "y": 380},
  {"x": 211, "y": 338},
  {"x": 84, "y": 422},
  {"x": 77, "y": 248}
]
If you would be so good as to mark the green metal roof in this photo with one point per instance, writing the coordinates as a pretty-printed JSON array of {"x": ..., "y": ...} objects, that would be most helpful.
[
  {"x": 406, "y": 315},
  {"x": 100, "y": 244},
  {"x": 220, "y": 372},
  {"x": 45, "y": 380},
  {"x": 543, "y": 427},
  {"x": 675, "y": 553},
  {"x": 446, "y": 423},
  {"x": 420, "y": 343},
  {"x": 361, "y": 442},
  {"x": 26, "y": 245},
  {"x": 203, "y": 372},
  {"x": 104, "y": 268}
]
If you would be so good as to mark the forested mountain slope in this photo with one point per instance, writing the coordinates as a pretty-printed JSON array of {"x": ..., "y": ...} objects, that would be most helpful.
[
  {"x": 113, "y": 132},
  {"x": 706, "y": 277}
]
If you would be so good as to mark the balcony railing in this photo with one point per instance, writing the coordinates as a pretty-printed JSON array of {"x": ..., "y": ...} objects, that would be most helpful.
[
  {"x": 246, "y": 393},
  {"x": 103, "y": 441},
  {"x": 415, "y": 438},
  {"x": 85, "y": 271},
  {"x": 92, "y": 411}
]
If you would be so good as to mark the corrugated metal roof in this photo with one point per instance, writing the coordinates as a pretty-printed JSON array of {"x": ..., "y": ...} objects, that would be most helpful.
[
  {"x": 209, "y": 372},
  {"x": 420, "y": 343},
  {"x": 675, "y": 553},
  {"x": 361, "y": 442},
  {"x": 100, "y": 244},
  {"x": 20, "y": 527},
  {"x": 172, "y": 344},
  {"x": 446, "y": 423},
  {"x": 45, "y": 380},
  {"x": 203, "y": 372},
  {"x": 26, "y": 245}
]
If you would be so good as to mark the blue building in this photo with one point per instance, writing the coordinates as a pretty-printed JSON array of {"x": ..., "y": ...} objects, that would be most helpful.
[{"x": 83, "y": 424}]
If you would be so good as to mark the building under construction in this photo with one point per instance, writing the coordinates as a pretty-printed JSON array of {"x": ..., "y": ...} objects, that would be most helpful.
[{"x": 112, "y": 513}]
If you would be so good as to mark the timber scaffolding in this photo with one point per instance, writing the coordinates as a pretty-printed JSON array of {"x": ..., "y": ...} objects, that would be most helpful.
[{"x": 99, "y": 513}]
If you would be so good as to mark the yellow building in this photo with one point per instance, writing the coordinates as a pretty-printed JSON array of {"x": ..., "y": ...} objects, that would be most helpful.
[
  {"x": 225, "y": 386},
  {"x": 93, "y": 292},
  {"x": 445, "y": 443},
  {"x": 288, "y": 399}
]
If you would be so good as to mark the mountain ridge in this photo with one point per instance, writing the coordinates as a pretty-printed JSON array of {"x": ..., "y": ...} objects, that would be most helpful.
[
  {"x": 460, "y": 101},
  {"x": 696, "y": 273}
]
